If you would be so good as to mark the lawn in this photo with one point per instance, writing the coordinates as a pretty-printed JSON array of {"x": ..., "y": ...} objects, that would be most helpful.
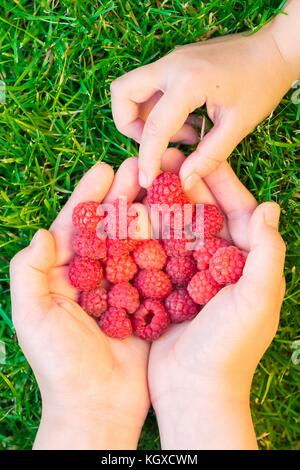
[{"x": 57, "y": 59}]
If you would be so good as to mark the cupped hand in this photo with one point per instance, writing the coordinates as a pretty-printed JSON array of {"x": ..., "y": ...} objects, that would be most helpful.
[
  {"x": 240, "y": 79},
  {"x": 213, "y": 357},
  {"x": 84, "y": 376}
]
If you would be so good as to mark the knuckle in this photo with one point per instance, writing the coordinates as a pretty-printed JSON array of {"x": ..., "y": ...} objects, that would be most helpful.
[
  {"x": 17, "y": 260},
  {"x": 152, "y": 126},
  {"x": 115, "y": 86},
  {"x": 281, "y": 245}
]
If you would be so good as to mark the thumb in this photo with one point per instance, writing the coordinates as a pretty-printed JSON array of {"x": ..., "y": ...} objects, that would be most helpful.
[
  {"x": 263, "y": 271},
  {"x": 29, "y": 276},
  {"x": 213, "y": 149}
]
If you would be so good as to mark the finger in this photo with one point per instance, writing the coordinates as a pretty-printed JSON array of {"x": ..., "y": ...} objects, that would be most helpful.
[
  {"x": 140, "y": 228},
  {"x": 29, "y": 271},
  {"x": 172, "y": 160},
  {"x": 235, "y": 201},
  {"x": 186, "y": 135},
  {"x": 92, "y": 187},
  {"x": 125, "y": 182},
  {"x": 127, "y": 92},
  {"x": 59, "y": 283},
  {"x": 164, "y": 121},
  {"x": 216, "y": 146},
  {"x": 263, "y": 271}
]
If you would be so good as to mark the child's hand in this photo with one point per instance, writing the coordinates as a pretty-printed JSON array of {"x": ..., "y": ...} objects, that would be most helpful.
[
  {"x": 94, "y": 388},
  {"x": 200, "y": 372},
  {"x": 239, "y": 78}
]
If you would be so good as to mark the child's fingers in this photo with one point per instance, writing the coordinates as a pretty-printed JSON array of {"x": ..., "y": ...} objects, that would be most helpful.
[
  {"x": 172, "y": 160},
  {"x": 262, "y": 279},
  {"x": 165, "y": 120},
  {"x": 29, "y": 277},
  {"x": 234, "y": 199},
  {"x": 92, "y": 187},
  {"x": 59, "y": 283},
  {"x": 125, "y": 182},
  {"x": 216, "y": 146},
  {"x": 127, "y": 92}
]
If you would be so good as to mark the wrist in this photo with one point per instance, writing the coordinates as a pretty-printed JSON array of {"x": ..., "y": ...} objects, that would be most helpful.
[
  {"x": 82, "y": 424},
  {"x": 214, "y": 415},
  {"x": 286, "y": 34}
]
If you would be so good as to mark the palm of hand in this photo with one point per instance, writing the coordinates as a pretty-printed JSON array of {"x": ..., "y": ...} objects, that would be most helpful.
[
  {"x": 65, "y": 347},
  {"x": 232, "y": 332}
]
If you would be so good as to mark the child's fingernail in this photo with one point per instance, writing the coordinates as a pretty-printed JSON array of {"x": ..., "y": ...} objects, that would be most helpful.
[
  {"x": 143, "y": 180},
  {"x": 190, "y": 182},
  {"x": 272, "y": 214}
]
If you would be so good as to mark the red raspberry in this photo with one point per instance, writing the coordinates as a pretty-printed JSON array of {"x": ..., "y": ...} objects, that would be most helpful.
[
  {"x": 89, "y": 245},
  {"x": 150, "y": 255},
  {"x": 184, "y": 199},
  {"x": 181, "y": 269},
  {"x": 212, "y": 219},
  {"x": 85, "y": 273},
  {"x": 94, "y": 302},
  {"x": 227, "y": 264},
  {"x": 177, "y": 248},
  {"x": 165, "y": 189},
  {"x": 124, "y": 295},
  {"x": 150, "y": 320},
  {"x": 115, "y": 323},
  {"x": 180, "y": 306},
  {"x": 85, "y": 216},
  {"x": 206, "y": 249},
  {"x": 202, "y": 287},
  {"x": 117, "y": 248},
  {"x": 153, "y": 284},
  {"x": 120, "y": 269}
]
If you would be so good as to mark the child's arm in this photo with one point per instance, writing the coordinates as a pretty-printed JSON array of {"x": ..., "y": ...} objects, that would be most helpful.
[
  {"x": 94, "y": 388},
  {"x": 240, "y": 79},
  {"x": 200, "y": 372}
]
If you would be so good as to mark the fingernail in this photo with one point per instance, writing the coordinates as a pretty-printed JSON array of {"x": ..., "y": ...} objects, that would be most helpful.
[
  {"x": 35, "y": 238},
  {"x": 190, "y": 182},
  {"x": 143, "y": 180},
  {"x": 272, "y": 214}
]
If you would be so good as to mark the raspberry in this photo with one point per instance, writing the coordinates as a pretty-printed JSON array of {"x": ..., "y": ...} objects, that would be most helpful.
[
  {"x": 124, "y": 295},
  {"x": 153, "y": 284},
  {"x": 117, "y": 248},
  {"x": 120, "y": 269},
  {"x": 226, "y": 265},
  {"x": 85, "y": 273},
  {"x": 210, "y": 222},
  {"x": 165, "y": 189},
  {"x": 205, "y": 251},
  {"x": 115, "y": 323},
  {"x": 89, "y": 245},
  {"x": 94, "y": 302},
  {"x": 202, "y": 287},
  {"x": 177, "y": 248},
  {"x": 150, "y": 320},
  {"x": 181, "y": 269},
  {"x": 180, "y": 306},
  {"x": 150, "y": 255},
  {"x": 85, "y": 216}
]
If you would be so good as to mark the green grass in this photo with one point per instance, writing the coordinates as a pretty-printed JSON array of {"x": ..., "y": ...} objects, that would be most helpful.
[{"x": 57, "y": 60}]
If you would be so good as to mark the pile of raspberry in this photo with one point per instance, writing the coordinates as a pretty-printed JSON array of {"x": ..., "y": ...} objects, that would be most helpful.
[{"x": 140, "y": 287}]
